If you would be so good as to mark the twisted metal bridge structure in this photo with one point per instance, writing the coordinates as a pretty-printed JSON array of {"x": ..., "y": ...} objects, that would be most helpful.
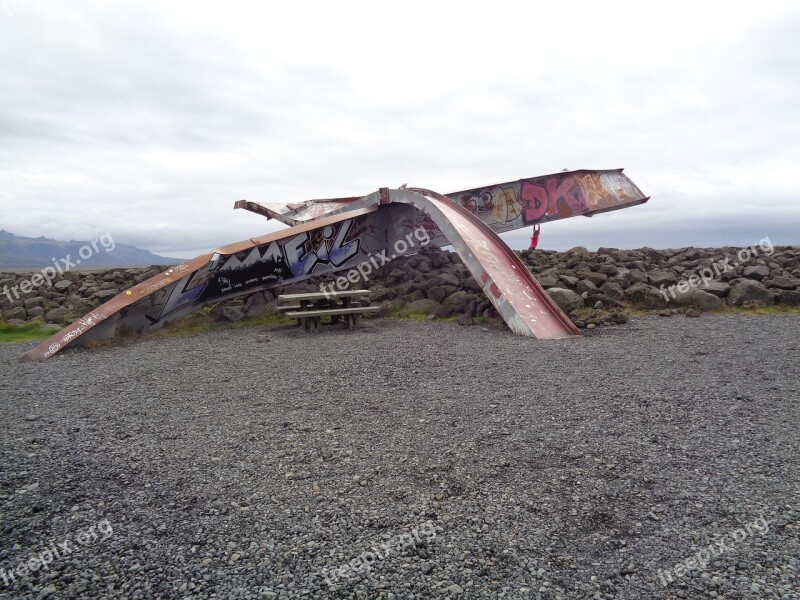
[{"x": 340, "y": 234}]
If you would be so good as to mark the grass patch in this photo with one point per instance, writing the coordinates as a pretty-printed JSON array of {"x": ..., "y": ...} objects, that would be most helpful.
[
  {"x": 774, "y": 309},
  {"x": 480, "y": 320},
  {"x": 201, "y": 321},
  {"x": 417, "y": 315},
  {"x": 413, "y": 315},
  {"x": 398, "y": 312},
  {"x": 30, "y": 331}
]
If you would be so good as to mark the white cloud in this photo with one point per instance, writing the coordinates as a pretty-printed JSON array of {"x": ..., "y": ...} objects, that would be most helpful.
[{"x": 148, "y": 120}]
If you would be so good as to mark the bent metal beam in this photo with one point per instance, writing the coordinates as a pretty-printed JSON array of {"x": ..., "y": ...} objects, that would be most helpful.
[{"x": 344, "y": 233}]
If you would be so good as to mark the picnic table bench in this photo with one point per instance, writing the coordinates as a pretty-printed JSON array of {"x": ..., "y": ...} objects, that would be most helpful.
[{"x": 308, "y": 309}]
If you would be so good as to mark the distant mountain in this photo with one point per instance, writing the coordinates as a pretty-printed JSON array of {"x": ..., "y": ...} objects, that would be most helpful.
[{"x": 24, "y": 252}]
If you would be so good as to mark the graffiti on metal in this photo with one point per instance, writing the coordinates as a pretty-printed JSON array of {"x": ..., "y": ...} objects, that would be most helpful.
[
  {"x": 519, "y": 299},
  {"x": 330, "y": 248},
  {"x": 508, "y": 206},
  {"x": 342, "y": 233}
]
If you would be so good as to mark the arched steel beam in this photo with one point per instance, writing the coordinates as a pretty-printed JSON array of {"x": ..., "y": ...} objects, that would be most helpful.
[
  {"x": 522, "y": 303},
  {"x": 328, "y": 245}
]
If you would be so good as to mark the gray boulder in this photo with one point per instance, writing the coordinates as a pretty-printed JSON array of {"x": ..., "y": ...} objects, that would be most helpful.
[
  {"x": 471, "y": 284},
  {"x": 259, "y": 299},
  {"x": 58, "y": 315},
  {"x": 698, "y": 298},
  {"x": 645, "y": 295},
  {"x": 444, "y": 311},
  {"x": 748, "y": 290},
  {"x": 569, "y": 280},
  {"x": 31, "y": 302},
  {"x": 414, "y": 296},
  {"x": 585, "y": 285},
  {"x": 35, "y": 311},
  {"x": 78, "y": 305},
  {"x": 567, "y": 300},
  {"x": 439, "y": 292},
  {"x": 789, "y": 297},
  {"x": 578, "y": 250},
  {"x": 659, "y": 278},
  {"x": 547, "y": 281},
  {"x": 756, "y": 272},
  {"x": 785, "y": 283},
  {"x": 255, "y": 310},
  {"x": 231, "y": 314},
  {"x": 426, "y": 306},
  {"x": 104, "y": 295},
  {"x": 718, "y": 288},
  {"x": 458, "y": 301},
  {"x": 446, "y": 279},
  {"x": 465, "y": 320},
  {"x": 613, "y": 290},
  {"x": 592, "y": 299},
  {"x": 607, "y": 269},
  {"x": 17, "y": 313},
  {"x": 635, "y": 276},
  {"x": 596, "y": 278}
]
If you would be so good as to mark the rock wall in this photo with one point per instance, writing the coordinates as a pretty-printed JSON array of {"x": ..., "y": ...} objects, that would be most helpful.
[
  {"x": 70, "y": 296},
  {"x": 594, "y": 288}
]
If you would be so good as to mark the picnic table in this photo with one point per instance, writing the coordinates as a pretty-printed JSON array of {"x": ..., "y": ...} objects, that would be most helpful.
[{"x": 308, "y": 309}]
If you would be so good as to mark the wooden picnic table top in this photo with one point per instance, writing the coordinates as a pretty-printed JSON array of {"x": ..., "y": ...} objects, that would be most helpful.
[{"x": 323, "y": 295}]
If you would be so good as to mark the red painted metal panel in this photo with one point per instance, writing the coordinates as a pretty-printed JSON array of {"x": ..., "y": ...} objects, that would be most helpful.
[
  {"x": 191, "y": 275},
  {"x": 469, "y": 220},
  {"x": 522, "y": 303}
]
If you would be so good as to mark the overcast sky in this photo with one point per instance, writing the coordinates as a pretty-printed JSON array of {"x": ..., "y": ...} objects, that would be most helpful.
[{"x": 147, "y": 120}]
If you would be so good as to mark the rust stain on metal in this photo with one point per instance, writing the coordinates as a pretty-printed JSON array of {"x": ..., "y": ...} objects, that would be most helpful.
[{"x": 326, "y": 236}]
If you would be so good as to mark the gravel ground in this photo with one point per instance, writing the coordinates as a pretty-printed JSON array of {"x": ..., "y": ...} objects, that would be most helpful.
[{"x": 408, "y": 460}]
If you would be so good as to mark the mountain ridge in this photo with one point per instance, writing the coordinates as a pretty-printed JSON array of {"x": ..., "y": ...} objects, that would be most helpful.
[{"x": 26, "y": 252}]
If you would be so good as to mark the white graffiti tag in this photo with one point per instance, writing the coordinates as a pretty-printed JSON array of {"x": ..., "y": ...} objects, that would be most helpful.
[
  {"x": 86, "y": 322},
  {"x": 52, "y": 349},
  {"x": 70, "y": 336},
  {"x": 152, "y": 287},
  {"x": 90, "y": 320},
  {"x": 177, "y": 269}
]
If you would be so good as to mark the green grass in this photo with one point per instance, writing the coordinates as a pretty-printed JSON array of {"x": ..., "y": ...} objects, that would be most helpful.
[
  {"x": 194, "y": 323},
  {"x": 774, "y": 309},
  {"x": 201, "y": 321},
  {"x": 421, "y": 315},
  {"x": 30, "y": 331},
  {"x": 413, "y": 315}
]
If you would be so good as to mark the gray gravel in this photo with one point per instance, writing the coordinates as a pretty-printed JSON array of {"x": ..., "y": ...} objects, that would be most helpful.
[{"x": 253, "y": 462}]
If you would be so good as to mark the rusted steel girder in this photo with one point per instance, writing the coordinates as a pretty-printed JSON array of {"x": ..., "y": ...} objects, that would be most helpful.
[
  {"x": 353, "y": 233},
  {"x": 510, "y": 205},
  {"x": 519, "y": 299}
]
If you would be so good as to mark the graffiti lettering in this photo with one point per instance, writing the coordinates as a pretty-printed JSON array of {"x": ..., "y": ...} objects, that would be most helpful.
[
  {"x": 225, "y": 284},
  {"x": 553, "y": 200},
  {"x": 332, "y": 249}
]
